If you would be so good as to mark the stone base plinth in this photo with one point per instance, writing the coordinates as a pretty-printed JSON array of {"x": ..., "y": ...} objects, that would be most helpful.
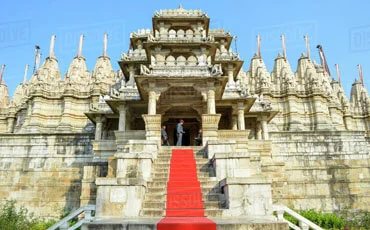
[
  {"x": 153, "y": 127},
  {"x": 249, "y": 196},
  {"x": 119, "y": 197},
  {"x": 210, "y": 127}
]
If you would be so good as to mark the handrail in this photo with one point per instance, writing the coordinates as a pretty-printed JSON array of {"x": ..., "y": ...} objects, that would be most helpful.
[
  {"x": 64, "y": 223},
  {"x": 304, "y": 223}
]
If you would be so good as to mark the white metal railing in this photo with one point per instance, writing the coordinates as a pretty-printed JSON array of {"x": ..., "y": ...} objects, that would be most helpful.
[
  {"x": 304, "y": 224},
  {"x": 63, "y": 224}
]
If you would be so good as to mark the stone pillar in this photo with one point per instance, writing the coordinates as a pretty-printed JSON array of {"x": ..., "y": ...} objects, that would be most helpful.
[
  {"x": 210, "y": 127},
  {"x": 10, "y": 125},
  {"x": 153, "y": 127},
  {"x": 122, "y": 117},
  {"x": 152, "y": 103},
  {"x": 241, "y": 123},
  {"x": 88, "y": 187},
  {"x": 234, "y": 122},
  {"x": 98, "y": 128},
  {"x": 259, "y": 131},
  {"x": 264, "y": 128},
  {"x": 230, "y": 75},
  {"x": 211, "y": 104}
]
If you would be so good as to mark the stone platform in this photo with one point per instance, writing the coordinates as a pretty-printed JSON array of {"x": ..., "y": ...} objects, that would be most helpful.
[{"x": 151, "y": 224}]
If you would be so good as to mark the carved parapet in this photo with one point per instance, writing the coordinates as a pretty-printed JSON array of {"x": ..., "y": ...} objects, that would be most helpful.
[
  {"x": 153, "y": 126},
  {"x": 210, "y": 126},
  {"x": 233, "y": 134}
]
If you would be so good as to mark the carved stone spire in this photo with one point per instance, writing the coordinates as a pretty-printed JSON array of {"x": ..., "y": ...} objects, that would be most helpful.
[
  {"x": 360, "y": 74},
  {"x": 283, "y": 46},
  {"x": 258, "y": 45},
  {"x": 25, "y": 74},
  {"x": 4, "y": 94},
  {"x": 307, "y": 47},
  {"x": 105, "y": 45},
  {"x": 338, "y": 73},
  {"x": 79, "y": 54},
  {"x": 51, "y": 50},
  {"x": 1, "y": 73}
]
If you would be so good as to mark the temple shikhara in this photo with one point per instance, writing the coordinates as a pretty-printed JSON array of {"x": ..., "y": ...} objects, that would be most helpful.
[{"x": 91, "y": 140}]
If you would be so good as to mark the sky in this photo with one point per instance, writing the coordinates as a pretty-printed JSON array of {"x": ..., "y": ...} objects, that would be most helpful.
[{"x": 341, "y": 27}]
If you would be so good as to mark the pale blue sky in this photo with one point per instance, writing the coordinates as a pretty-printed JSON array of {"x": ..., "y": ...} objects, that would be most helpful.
[{"x": 341, "y": 27}]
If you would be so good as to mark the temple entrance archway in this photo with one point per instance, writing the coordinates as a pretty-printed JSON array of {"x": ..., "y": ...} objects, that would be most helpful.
[{"x": 181, "y": 103}]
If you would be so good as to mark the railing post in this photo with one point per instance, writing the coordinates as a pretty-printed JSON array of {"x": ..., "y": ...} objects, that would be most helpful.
[
  {"x": 280, "y": 214},
  {"x": 64, "y": 226},
  {"x": 303, "y": 225}
]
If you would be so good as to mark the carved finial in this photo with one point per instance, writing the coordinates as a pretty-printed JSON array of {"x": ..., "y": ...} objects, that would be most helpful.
[
  {"x": 52, "y": 43},
  {"x": 283, "y": 45},
  {"x": 105, "y": 45},
  {"x": 360, "y": 73},
  {"x": 25, "y": 74},
  {"x": 307, "y": 46},
  {"x": 79, "y": 54},
  {"x": 259, "y": 45},
  {"x": 1, "y": 73},
  {"x": 338, "y": 73}
]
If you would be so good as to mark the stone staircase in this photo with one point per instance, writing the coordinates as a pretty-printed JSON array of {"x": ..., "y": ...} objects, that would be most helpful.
[{"x": 155, "y": 199}]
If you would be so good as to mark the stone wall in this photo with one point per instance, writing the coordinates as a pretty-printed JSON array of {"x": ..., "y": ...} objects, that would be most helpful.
[
  {"x": 43, "y": 172},
  {"x": 323, "y": 170}
]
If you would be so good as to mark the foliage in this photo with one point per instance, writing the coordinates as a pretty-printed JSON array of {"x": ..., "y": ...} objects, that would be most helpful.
[
  {"x": 362, "y": 221},
  {"x": 324, "y": 220},
  {"x": 12, "y": 218}
]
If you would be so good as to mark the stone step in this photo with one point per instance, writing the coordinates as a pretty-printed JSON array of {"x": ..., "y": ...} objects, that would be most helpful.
[
  {"x": 165, "y": 174},
  {"x": 162, "y": 205},
  {"x": 167, "y": 165},
  {"x": 162, "y": 197},
  {"x": 162, "y": 213},
  {"x": 167, "y": 161},
  {"x": 163, "y": 190},
  {"x": 164, "y": 184}
]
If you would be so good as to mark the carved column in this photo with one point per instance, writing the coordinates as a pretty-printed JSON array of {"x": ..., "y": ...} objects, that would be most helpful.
[
  {"x": 98, "y": 128},
  {"x": 234, "y": 122},
  {"x": 241, "y": 123},
  {"x": 264, "y": 128},
  {"x": 122, "y": 117},
  {"x": 131, "y": 81},
  {"x": 152, "y": 103},
  {"x": 211, "y": 103},
  {"x": 230, "y": 75},
  {"x": 259, "y": 131},
  {"x": 210, "y": 127},
  {"x": 153, "y": 127}
]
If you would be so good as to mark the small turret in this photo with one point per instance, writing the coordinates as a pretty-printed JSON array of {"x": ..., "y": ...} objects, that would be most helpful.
[
  {"x": 103, "y": 71},
  {"x": 4, "y": 94},
  {"x": 49, "y": 72},
  {"x": 77, "y": 72}
]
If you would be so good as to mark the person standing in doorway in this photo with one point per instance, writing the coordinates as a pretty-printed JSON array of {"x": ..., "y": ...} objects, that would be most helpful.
[
  {"x": 164, "y": 136},
  {"x": 179, "y": 132},
  {"x": 198, "y": 138}
]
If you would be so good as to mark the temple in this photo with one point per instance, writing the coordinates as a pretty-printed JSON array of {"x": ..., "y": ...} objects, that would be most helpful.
[{"x": 270, "y": 139}]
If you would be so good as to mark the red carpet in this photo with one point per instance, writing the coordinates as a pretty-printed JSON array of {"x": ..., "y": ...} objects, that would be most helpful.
[{"x": 184, "y": 207}]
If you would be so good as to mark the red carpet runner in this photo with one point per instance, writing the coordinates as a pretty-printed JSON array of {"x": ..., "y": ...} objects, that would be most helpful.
[{"x": 184, "y": 207}]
